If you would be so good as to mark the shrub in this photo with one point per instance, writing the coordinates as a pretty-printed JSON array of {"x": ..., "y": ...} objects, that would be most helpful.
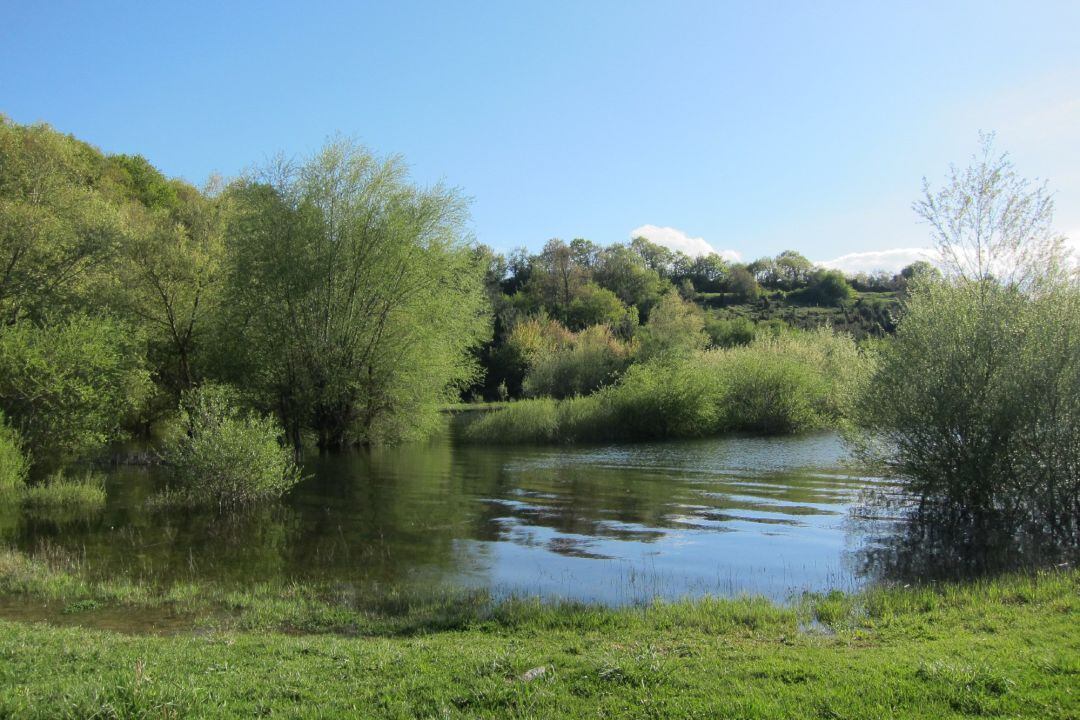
[
  {"x": 225, "y": 456},
  {"x": 675, "y": 328},
  {"x": 725, "y": 333},
  {"x": 13, "y": 464},
  {"x": 977, "y": 401},
  {"x": 68, "y": 388},
  {"x": 581, "y": 364},
  {"x": 779, "y": 384},
  {"x": 58, "y": 492}
]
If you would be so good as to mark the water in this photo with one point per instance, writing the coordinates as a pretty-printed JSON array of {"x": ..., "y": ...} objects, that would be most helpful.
[{"x": 616, "y": 524}]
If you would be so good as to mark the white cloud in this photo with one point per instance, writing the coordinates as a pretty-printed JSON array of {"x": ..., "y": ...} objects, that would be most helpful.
[
  {"x": 675, "y": 239},
  {"x": 892, "y": 261}
]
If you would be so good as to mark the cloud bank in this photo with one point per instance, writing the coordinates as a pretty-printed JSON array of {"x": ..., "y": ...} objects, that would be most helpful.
[
  {"x": 891, "y": 261},
  {"x": 675, "y": 239}
]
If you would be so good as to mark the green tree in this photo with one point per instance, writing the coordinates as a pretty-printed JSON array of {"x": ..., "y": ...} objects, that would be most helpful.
[
  {"x": 353, "y": 298},
  {"x": 70, "y": 386},
  {"x": 675, "y": 328},
  {"x": 58, "y": 226},
  {"x": 977, "y": 402},
  {"x": 741, "y": 283}
]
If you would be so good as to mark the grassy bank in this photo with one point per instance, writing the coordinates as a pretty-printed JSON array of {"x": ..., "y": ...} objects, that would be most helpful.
[
  {"x": 1009, "y": 647},
  {"x": 785, "y": 384}
]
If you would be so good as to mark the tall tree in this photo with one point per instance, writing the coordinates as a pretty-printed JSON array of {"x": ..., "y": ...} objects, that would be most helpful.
[{"x": 353, "y": 296}]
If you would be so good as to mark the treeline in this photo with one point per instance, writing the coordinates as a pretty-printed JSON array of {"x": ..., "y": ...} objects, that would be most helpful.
[
  {"x": 331, "y": 295},
  {"x": 598, "y": 301}
]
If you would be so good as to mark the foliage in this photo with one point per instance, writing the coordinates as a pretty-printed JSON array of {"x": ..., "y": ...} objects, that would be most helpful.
[
  {"x": 991, "y": 224},
  {"x": 595, "y": 305},
  {"x": 828, "y": 288},
  {"x": 582, "y": 363},
  {"x": 352, "y": 297},
  {"x": 13, "y": 464},
  {"x": 729, "y": 332},
  {"x": 225, "y": 456},
  {"x": 977, "y": 402},
  {"x": 58, "y": 224},
  {"x": 69, "y": 386},
  {"x": 743, "y": 285},
  {"x": 789, "y": 383},
  {"x": 675, "y": 328}
]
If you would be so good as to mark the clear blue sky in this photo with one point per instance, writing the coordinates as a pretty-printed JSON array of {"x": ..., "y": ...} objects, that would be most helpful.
[{"x": 757, "y": 126}]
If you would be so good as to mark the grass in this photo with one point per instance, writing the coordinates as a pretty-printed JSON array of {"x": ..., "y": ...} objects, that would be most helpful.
[
  {"x": 1008, "y": 647},
  {"x": 65, "y": 495}
]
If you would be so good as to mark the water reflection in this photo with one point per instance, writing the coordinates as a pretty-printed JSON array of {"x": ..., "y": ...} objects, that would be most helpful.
[{"x": 613, "y": 524}]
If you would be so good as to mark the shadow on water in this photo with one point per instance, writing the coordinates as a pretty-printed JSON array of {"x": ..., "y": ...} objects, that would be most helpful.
[{"x": 940, "y": 543}]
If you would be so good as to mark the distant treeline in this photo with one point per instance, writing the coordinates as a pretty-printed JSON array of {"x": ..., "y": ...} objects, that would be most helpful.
[{"x": 580, "y": 287}]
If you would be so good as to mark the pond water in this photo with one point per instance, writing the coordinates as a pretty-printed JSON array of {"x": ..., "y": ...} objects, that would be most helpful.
[{"x": 615, "y": 524}]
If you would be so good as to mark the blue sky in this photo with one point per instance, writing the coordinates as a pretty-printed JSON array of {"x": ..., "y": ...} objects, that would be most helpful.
[{"x": 750, "y": 127}]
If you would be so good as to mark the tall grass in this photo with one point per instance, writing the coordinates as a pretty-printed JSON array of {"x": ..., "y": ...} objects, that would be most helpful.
[
  {"x": 61, "y": 493},
  {"x": 786, "y": 384}
]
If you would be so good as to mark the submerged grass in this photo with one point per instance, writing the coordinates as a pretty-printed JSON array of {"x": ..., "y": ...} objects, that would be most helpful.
[
  {"x": 62, "y": 494},
  {"x": 1006, "y": 648}
]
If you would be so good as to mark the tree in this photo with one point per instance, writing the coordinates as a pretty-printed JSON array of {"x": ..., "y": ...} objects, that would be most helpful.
[
  {"x": 990, "y": 223},
  {"x": 595, "y": 305},
  {"x": 792, "y": 269},
  {"x": 977, "y": 402},
  {"x": 69, "y": 386},
  {"x": 169, "y": 272},
  {"x": 58, "y": 224},
  {"x": 828, "y": 287},
  {"x": 353, "y": 297},
  {"x": 675, "y": 328},
  {"x": 741, "y": 283}
]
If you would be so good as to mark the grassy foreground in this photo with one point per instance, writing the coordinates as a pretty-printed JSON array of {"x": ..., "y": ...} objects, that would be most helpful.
[{"x": 1004, "y": 648}]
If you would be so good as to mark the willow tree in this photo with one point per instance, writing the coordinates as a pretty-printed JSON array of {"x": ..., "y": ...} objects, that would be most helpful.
[
  {"x": 976, "y": 403},
  {"x": 352, "y": 296}
]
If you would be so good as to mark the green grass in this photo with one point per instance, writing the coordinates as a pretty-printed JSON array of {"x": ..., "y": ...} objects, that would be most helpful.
[
  {"x": 65, "y": 495},
  {"x": 1003, "y": 648}
]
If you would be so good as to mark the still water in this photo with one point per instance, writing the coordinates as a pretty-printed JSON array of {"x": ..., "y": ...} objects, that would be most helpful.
[{"x": 615, "y": 524}]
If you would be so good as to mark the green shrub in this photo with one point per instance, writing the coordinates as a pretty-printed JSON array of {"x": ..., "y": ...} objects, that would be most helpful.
[
  {"x": 58, "y": 492},
  {"x": 225, "y": 456},
  {"x": 579, "y": 365},
  {"x": 788, "y": 383},
  {"x": 977, "y": 401},
  {"x": 13, "y": 464},
  {"x": 69, "y": 387},
  {"x": 729, "y": 332}
]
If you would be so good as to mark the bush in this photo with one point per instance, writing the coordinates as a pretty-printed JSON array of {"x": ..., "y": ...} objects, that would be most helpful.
[
  {"x": 13, "y": 464},
  {"x": 977, "y": 401},
  {"x": 68, "y": 388},
  {"x": 726, "y": 333},
  {"x": 675, "y": 328},
  {"x": 225, "y": 456},
  {"x": 581, "y": 364},
  {"x": 59, "y": 492},
  {"x": 779, "y": 384}
]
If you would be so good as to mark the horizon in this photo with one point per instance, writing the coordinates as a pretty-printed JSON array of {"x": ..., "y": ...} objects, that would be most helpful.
[{"x": 703, "y": 127}]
